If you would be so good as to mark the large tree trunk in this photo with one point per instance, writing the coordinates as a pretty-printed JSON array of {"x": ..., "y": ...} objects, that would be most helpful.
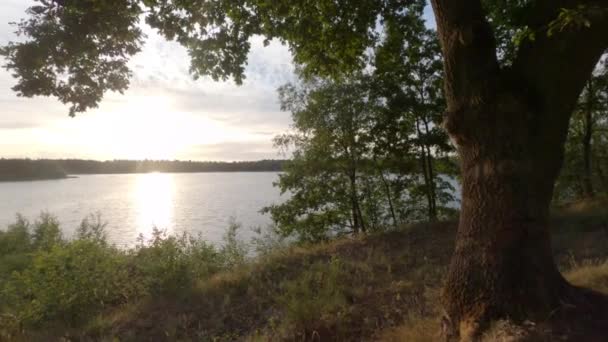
[
  {"x": 502, "y": 264},
  {"x": 509, "y": 124}
]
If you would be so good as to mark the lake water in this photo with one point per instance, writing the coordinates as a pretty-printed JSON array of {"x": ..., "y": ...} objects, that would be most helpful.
[{"x": 133, "y": 204}]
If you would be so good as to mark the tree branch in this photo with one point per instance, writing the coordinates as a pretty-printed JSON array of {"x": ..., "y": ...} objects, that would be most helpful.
[
  {"x": 555, "y": 67},
  {"x": 469, "y": 51}
]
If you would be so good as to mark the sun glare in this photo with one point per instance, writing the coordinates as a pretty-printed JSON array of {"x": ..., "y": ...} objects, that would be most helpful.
[
  {"x": 151, "y": 128},
  {"x": 153, "y": 198}
]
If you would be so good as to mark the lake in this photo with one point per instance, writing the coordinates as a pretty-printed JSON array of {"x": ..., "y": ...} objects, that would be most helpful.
[{"x": 133, "y": 204}]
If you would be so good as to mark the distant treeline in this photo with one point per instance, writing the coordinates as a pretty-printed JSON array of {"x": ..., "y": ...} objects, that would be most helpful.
[{"x": 29, "y": 169}]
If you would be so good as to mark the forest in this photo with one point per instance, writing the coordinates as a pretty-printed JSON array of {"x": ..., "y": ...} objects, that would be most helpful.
[{"x": 32, "y": 169}]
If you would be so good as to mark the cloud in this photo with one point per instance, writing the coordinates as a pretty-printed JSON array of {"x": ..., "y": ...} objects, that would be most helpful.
[
  {"x": 160, "y": 73},
  {"x": 18, "y": 124},
  {"x": 234, "y": 151}
]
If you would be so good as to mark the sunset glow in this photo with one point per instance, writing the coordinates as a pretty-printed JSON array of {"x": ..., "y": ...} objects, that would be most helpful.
[{"x": 165, "y": 113}]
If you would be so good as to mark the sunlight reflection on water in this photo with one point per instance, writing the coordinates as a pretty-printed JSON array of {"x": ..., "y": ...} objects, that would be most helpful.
[{"x": 153, "y": 198}]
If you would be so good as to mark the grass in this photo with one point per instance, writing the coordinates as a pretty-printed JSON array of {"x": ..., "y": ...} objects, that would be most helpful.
[{"x": 379, "y": 287}]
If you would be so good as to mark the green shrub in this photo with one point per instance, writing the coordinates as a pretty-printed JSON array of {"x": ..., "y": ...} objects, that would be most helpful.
[
  {"x": 16, "y": 238},
  {"x": 234, "y": 252},
  {"x": 92, "y": 228},
  {"x": 15, "y": 248},
  {"x": 46, "y": 232},
  {"x": 315, "y": 294},
  {"x": 69, "y": 282},
  {"x": 48, "y": 280},
  {"x": 168, "y": 264}
]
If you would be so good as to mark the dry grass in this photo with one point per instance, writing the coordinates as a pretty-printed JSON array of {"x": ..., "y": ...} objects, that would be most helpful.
[{"x": 591, "y": 275}]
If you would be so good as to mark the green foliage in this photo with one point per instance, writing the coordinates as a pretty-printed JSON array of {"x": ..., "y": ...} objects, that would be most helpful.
[
  {"x": 585, "y": 169},
  {"x": 168, "y": 264},
  {"x": 522, "y": 22},
  {"x": 574, "y": 18},
  {"x": 92, "y": 228},
  {"x": 69, "y": 282},
  {"x": 75, "y": 50},
  {"x": 234, "y": 251},
  {"x": 46, "y": 233},
  {"x": 78, "y": 50},
  {"x": 15, "y": 245},
  {"x": 365, "y": 147},
  {"x": 267, "y": 241},
  {"x": 318, "y": 292},
  {"x": 349, "y": 289},
  {"x": 47, "y": 279}
]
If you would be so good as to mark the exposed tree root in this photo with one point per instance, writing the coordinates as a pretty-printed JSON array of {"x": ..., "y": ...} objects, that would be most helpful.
[{"x": 582, "y": 315}]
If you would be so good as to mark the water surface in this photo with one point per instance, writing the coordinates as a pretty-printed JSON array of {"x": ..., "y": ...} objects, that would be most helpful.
[{"x": 134, "y": 204}]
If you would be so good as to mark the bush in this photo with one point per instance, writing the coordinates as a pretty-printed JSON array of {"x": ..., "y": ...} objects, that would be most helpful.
[
  {"x": 15, "y": 246},
  {"x": 46, "y": 233},
  {"x": 168, "y": 264},
  {"x": 69, "y": 282},
  {"x": 47, "y": 279},
  {"x": 317, "y": 293}
]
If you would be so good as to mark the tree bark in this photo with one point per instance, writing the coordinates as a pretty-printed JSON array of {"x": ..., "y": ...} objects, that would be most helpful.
[
  {"x": 509, "y": 125},
  {"x": 502, "y": 264}
]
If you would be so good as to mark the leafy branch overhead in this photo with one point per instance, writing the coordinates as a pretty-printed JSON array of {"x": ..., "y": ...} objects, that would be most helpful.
[
  {"x": 78, "y": 50},
  {"x": 75, "y": 50}
]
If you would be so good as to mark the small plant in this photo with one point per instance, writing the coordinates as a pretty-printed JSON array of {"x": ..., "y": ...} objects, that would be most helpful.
[
  {"x": 234, "y": 251},
  {"x": 169, "y": 264},
  {"x": 317, "y": 293},
  {"x": 46, "y": 233}
]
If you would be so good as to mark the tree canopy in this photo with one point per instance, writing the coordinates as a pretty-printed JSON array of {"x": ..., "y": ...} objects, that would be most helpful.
[{"x": 78, "y": 50}]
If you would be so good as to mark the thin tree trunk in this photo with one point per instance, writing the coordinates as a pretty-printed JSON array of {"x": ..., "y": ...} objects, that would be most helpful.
[
  {"x": 387, "y": 190},
  {"x": 425, "y": 172},
  {"x": 354, "y": 205},
  {"x": 358, "y": 223},
  {"x": 372, "y": 206},
  {"x": 586, "y": 142},
  {"x": 432, "y": 186},
  {"x": 601, "y": 176}
]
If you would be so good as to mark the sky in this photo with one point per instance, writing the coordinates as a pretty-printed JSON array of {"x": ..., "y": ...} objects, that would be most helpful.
[{"x": 165, "y": 114}]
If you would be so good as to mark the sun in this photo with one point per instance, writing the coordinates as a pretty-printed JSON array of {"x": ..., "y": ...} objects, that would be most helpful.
[{"x": 151, "y": 128}]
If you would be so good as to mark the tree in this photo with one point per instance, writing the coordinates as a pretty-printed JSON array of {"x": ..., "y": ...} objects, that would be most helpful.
[
  {"x": 360, "y": 163},
  {"x": 330, "y": 150},
  {"x": 508, "y": 105},
  {"x": 366, "y": 146},
  {"x": 407, "y": 77},
  {"x": 583, "y": 174}
]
